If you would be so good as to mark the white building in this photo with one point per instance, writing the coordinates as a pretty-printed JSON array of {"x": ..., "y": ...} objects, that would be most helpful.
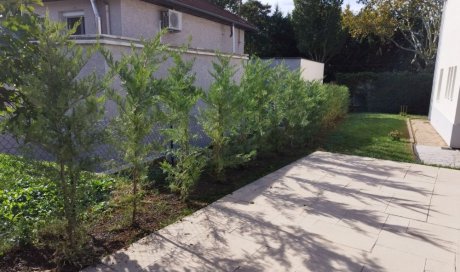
[
  {"x": 445, "y": 103},
  {"x": 310, "y": 70}
]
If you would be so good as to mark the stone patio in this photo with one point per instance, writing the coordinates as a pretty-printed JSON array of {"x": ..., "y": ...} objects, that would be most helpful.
[{"x": 325, "y": 212}]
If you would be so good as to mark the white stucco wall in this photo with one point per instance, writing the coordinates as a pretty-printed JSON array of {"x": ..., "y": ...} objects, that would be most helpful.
[
  {"x": 445, "y": 108},
  {"x": 310, "y": 70},
  {"x": 138, "y": 19}
]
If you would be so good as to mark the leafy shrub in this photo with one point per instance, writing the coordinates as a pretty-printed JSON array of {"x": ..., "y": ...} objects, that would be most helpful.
[
  {"x": 183, "y": 174},
  {"x": 29, "y": 198},
  {"x": 386, "y": 92},
  {"x": 336, "y": 104}
]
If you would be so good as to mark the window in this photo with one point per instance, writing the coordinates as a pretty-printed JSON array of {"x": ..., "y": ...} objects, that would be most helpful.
[
  {"x": 451, "y": 78},
  {"x": 439, "y": 84},
  {"x": 75, "y": 18}
]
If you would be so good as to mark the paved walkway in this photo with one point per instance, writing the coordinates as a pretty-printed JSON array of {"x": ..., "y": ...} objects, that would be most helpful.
[
  {"x": 325, "y": 212},
  {"x": 425, "y": 134},
  {"x": 430, "y": 147}
]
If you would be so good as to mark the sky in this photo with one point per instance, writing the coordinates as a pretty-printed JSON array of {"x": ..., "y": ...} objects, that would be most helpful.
[{"x": 288, "y": 5}]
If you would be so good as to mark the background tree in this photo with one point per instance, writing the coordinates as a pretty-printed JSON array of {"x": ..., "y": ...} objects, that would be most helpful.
[
  {"x": 66, "y": 123},
  {"x": 281, "y": 36},
  {"x": 18, "y": 26},
  {"x": 417, "y": 21},
  {"x": 317, "y": 24},
  {"x": 231, "y": 5},
  {"x": 258, "y": 14},
  {"x": 138, "y": 108}
]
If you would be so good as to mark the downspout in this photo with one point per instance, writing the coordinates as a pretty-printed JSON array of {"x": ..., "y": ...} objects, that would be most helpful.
[
  {"x": 107, "y": 17},
  {"x": 233, "y": 39},
  {"x": 97, "y": 17}
]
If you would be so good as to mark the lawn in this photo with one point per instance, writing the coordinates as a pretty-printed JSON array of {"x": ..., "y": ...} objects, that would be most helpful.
[{"x": 366, "y": 134}]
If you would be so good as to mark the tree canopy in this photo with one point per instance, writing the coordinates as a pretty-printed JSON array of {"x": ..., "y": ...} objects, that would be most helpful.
[
  {"x": 317, "y": 25},
  {"x": 417, "y": 21}
]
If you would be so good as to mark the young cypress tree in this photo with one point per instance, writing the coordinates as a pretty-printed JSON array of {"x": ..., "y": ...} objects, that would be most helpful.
[
  {"x": 68, "y": 108},
  {"x": 221, "y": 117},
  {"x": 179, "y": 98},
  {"x": 138, "y": 107}
]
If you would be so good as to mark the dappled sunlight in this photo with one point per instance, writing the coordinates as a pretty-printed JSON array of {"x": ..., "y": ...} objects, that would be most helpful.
[{"x": 325, "y": 212}]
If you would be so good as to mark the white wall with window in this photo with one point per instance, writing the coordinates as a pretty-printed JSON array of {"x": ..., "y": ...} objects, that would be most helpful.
[{"x": 445, "y": 109}]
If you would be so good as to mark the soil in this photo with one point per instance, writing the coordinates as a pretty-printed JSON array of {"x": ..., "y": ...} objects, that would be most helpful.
[{"x": 112, "y": 230}]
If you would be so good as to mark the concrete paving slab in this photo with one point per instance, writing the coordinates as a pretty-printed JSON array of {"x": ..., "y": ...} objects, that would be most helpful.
[
  {"x": 325, "y": 212},
  {"x": 433, "y": 155},
  {"x": 393, "y": 260}
]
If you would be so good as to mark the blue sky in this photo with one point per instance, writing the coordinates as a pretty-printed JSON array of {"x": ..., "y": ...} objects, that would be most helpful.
[{"x": 288, "y": 5}]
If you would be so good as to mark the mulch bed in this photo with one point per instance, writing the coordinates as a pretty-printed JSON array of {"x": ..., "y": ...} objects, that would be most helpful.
[{"x": 158, "y": 208}]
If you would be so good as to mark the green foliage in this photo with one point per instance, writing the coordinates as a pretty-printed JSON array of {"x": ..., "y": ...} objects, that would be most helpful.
[
  {"x": 386, "y": 92},
  {"x": 184, "y": 173},
  {"x": 29, "y": 199},
  {"x": 179, "y": 99},
  {"x": 417, "y": 21},
  {"x": 275, "y": 34},
  {"x": 337, "y": 101},
  {"x": 18, "y": 26},
  {"x": 138, "y": 108},
  {"x": 68, "y": 110},
  {"x": 231, "y": 5},
  {"x": 220, "y": 117},
  {"x": 318, "y": 28}
]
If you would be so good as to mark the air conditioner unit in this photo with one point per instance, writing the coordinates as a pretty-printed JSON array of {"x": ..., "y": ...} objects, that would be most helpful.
[{"x": 171, "y": 20}]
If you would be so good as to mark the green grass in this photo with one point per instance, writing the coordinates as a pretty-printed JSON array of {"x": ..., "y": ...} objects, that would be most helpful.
[{"x": 366, "y": 134}]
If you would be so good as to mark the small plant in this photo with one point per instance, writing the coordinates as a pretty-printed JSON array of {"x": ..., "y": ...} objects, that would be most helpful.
[
  {"x": 395, "y": 135},
  {"x": 185, "y": 173}
]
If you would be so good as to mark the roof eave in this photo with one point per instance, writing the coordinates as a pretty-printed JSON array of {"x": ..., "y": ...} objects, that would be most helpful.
[{"x": 178, "y": 5}]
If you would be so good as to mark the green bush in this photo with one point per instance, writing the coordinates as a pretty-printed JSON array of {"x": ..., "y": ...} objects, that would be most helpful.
[
  {"x": 337, "y": 100},
  {"x": 386, "y": 92}
]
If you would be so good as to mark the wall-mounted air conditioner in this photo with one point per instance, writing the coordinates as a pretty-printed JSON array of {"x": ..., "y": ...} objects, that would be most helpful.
[{"x": 171, "y": 20}]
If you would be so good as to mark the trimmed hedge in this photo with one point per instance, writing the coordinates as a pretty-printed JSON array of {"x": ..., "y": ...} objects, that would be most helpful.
[{"x": 386, "y": 92}]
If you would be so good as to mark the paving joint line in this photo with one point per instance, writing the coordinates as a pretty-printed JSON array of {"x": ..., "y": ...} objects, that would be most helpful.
[{"x": 431, "y": 198}]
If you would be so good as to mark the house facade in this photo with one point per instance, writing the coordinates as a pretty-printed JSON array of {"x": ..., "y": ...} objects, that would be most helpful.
[
  {"x": 445, "y": 103},
  {"x": 116, "y": 24},
  {"x": 119, "y": 24}
]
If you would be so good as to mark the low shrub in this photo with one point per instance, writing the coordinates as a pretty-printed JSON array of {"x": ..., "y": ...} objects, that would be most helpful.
[
  {"x": 29, "y": 199},
  {"x": 337, "y": 100},
  {"x": 387, "y": 92}
]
